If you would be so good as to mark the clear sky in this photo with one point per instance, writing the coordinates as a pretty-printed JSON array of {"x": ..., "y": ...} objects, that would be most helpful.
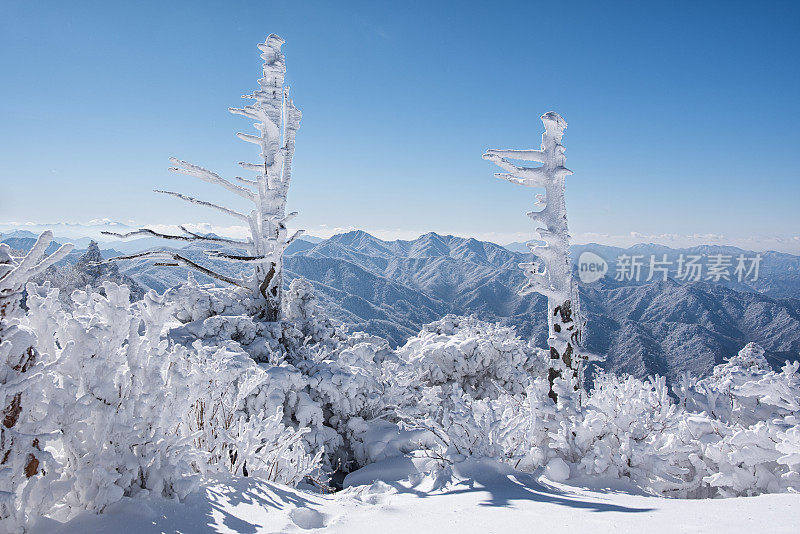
[{"x": 684, "y": 117}]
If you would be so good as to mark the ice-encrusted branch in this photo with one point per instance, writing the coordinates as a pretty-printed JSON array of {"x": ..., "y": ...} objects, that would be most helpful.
[
  {"x": 524, "y": 155},
  {"x": 15, "y": 272},
  {"x": 205, "y": 203},
  {"x": 238, "y": 257},
  {"x": 297, "y": 234},
  {"x": 190, "y": 169}
]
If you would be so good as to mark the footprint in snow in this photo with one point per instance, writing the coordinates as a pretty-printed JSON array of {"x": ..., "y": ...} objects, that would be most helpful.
[
  {"x": 306, "y": 518},
  {"x": 377, "y": 493}
]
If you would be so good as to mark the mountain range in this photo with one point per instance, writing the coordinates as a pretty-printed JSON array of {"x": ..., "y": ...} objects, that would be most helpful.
[{"x": 392, "y": 288}]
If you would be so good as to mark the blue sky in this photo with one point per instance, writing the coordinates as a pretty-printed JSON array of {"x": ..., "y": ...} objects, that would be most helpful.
[{"x": 683, "y": 117}]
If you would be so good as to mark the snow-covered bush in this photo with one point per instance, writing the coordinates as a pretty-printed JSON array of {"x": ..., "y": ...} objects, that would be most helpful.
[
  {"x": 126, "y": 412},
  {"x": 236, "y": 417},
  {"x": 744, "y": 390},
  {"x": 27, "y": 484},
  {"x": 354, "y": 382},
  {"x": 478, "y": 427},
  {"x": 733, "y": 433},
  {"x": 754, "y": 413},
  {"x": 118, "y": 395},
  {"x": 194, "y": 301},
  {"x": 789, "y": 446},
  {"x": 319, "y": 376},
  {"x": 216, "y": 315},
  {"x": 483, "y": 359}
]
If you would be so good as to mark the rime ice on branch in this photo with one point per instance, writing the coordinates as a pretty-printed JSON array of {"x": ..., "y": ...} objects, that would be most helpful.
[
  {"x": 277, "y": 121},
  {"x": 552, "y": 275}
]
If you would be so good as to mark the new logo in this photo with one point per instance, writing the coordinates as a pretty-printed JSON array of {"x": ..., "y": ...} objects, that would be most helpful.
[{"x": 591, "y": 267}]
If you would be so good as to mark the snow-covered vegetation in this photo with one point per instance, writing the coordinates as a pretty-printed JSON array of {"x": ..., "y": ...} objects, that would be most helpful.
[{"x": 136, "y": 399}]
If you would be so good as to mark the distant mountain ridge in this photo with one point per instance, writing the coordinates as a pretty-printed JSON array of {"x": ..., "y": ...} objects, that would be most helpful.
[
  {"x": 391, "y": 288},
  {"x": 657, "y": 327}
]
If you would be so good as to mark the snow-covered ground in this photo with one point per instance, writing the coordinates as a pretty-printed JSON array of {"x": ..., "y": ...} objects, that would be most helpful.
[{"x": 475, "y": 496}]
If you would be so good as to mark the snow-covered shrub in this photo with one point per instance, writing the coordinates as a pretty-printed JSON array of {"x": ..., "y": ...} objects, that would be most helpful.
[
  {"x": 789, "y": 446},
  {"x": 754, "y": 413},
  {"x": 463, "y": 380},
  {"x": 216, "y": 315},
  {"x": 316, "y": 374},
  {"x": 194, "y": 301},
  {"x": 483, "y": 359},
  {"x": 622, "y": 420},
  {"x": 624, "y": 428},
  {"x": 614, "y": 431},
  {"x": 27, "y": 483},
  {"x": 345, "y": 384},
  {"x": 130, "y": 413},
  {"x": 118, "y": 397},
  {"x": 471, "y": 427},
  {"x": 302, "y": 365},
  {"x": 744, "y": 390},
  {"x": 733, "y": 433},
  {"x": 236, "y": 416},
  {"x": 300, "y": 303}
]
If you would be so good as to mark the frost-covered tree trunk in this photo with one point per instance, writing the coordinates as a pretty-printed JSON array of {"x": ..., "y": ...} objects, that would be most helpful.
[
  {"x": 277, "y": 121},
  {"x": 21, "y": 454},
  {"x": 552, "y": 275}
]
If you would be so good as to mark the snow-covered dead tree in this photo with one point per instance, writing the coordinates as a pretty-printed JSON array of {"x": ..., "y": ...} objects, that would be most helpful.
[
  {"x": 20, "y": 453},
  {"x": 277, "y": 121},
  {"x": 552, "y": 275}
]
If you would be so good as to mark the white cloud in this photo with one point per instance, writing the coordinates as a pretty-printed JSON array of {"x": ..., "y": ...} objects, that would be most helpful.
[{"x": 756, "y": 243}]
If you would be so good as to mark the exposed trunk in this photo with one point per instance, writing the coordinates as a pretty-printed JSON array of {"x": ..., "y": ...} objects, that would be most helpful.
[
  {"x": 270, "y": 291},
  {"x": 562, "y": 322}
]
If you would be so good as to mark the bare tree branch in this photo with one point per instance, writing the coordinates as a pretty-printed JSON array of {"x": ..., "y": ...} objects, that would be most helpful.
[
  {"x": 178, "y": 260},
  {"x": 192, "y": 237},
  {"x": 237, "y": 257}
]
